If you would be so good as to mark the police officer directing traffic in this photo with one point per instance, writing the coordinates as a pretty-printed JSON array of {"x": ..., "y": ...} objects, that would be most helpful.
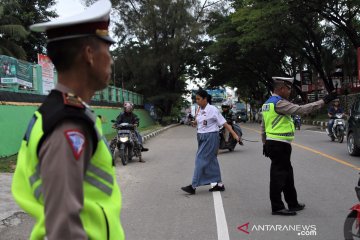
[
  {"x": 65, "y": 176},
  {"x": 277, "y": 134}
]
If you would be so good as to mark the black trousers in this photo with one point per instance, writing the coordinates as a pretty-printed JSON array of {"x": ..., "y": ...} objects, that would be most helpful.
[{"x": 281, "y": 175}]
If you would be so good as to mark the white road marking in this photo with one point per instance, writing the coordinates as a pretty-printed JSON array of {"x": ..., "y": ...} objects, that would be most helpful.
[
  {"x": 221, "y": 224},
  {"x": 320, "y": 132},
  {"x": 316, "y": 131}
]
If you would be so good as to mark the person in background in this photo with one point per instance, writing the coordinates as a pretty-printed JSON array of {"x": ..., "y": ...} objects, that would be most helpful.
[
  {"x": 333, "y": 110},
  {"x": 207, "y": 169},
  {"x": 128, "y": 116},
  {"x": 277, "y": 134}
]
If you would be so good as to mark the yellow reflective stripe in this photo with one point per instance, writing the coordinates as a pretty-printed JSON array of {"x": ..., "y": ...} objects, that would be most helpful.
[
  {"x": 96, "y": 183},
  {"x": 36, "y": 176},
  {"x": 38, "y": 192},
  {"x": 101, "y": 173},
  {"x": 276, "y": 121},
  {"x": 283, "y": 134}
]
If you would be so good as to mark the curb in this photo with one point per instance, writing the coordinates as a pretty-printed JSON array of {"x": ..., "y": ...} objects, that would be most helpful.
[
  {"x": 315, "y": 123},
  {"x": 157, "y": 132}
]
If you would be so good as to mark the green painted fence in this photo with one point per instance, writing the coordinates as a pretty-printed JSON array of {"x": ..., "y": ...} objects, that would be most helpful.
[{"x": 14, "y": 121}]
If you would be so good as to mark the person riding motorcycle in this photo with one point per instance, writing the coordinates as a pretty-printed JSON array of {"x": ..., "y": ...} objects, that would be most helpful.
[
  {"x": 228, "y": 115},
  {"x": 131, "y": 118},
  {"x": 333, "y": 110}
]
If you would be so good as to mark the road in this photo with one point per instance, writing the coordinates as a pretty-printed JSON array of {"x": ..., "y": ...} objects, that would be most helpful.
[{"x": 154, "y": 207}]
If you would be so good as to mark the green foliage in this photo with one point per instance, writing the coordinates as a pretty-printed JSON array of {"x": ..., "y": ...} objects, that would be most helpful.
[
  {"x": 11, "y": 31},
  {"x": 268, "y": 38},
  {"x": 158, "y": 42},
  {"x": 24, "y": 14}
]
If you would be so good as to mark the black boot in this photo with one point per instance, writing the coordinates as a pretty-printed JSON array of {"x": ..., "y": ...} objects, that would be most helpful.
[
  {"x": 189, "y": 189},
  {"x": 144, "y": 149}
]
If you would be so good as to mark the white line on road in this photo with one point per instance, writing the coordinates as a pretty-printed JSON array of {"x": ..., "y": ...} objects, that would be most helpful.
[
  {"x": 316, "y": 131},
  {"x": 221, "y": 224}
]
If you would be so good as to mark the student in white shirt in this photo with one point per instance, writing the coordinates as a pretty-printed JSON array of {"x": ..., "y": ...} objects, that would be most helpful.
[{"x": 207, "y": 169}]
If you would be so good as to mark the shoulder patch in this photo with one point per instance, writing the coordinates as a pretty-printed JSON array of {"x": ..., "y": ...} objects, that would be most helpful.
[
  {"x": 77, "y": 142},
  {"x": 72, "y": 100}
]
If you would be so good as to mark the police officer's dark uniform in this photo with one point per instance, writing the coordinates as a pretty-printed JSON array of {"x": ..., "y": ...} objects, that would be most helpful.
[
  {"x": 277, "y": 134},
  {"x": 65, "y": 175}
]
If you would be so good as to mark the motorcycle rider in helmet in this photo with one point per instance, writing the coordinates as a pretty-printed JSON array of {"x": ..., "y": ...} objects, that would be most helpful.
[
  {"x": 228, "y": 115},
  {"x": 129, "y": 117},
  {"x": 333, "y": 110}
]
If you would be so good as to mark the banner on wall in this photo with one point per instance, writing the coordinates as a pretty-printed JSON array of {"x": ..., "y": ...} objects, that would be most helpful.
[
  {"x": 16, "y": 71},
  {"x": 47, "y": 73}
]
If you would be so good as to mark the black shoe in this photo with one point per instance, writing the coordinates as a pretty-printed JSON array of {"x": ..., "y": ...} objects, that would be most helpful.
[
  {"x": 284, "y": 212},
  {"x": 299, "y": 207},
  {"x": 189, "y": 189},
  {"x": 217, "y": 188},
  {"x": 144, "y": 149}
]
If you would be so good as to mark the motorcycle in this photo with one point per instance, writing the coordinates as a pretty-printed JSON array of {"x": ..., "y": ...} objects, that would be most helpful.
[
  {"x": 297, "y": 122},
  {"x": 231, "y": 143},
  {"x": 126, "y": 145},
  {"x": 338, "y": 129},
  {"x": 352, "y": 222}
]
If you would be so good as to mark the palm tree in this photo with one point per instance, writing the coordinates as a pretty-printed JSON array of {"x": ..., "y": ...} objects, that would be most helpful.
[{"x": 11, "y": 32}]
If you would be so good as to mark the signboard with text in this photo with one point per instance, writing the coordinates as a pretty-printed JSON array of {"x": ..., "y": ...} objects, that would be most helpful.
[
  {"x": 47, "y": 73},
  {"x": 15, "y": 71}
]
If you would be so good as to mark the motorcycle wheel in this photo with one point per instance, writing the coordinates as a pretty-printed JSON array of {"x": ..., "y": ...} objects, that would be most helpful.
[
  {"x": 353, "y": 149},
  {"x": 341, "y": 138},
  {"x": 350, "y": 227},
  {"x": 332, "y": 138},
  {"x": 115, "y": 153},
  {"x": 124, "y": 156}
]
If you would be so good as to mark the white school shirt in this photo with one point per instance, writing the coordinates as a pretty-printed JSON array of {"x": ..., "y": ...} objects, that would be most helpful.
[{"x": 209, "y": 119}]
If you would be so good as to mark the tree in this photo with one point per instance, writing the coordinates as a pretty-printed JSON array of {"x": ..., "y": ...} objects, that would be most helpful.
[
  {"x": 158, "y": 42},
  {"x": 11, "y": 31},
  {"x": 261, "y": 39},
  {"x": 27, "y": 13},
  {"x": 344, "y": 14}
]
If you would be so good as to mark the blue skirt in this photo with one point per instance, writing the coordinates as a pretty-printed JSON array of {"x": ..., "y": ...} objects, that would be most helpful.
[{"x": 207, "y": 169}]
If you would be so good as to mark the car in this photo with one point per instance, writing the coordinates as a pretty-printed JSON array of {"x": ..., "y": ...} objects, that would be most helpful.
[
  {"x": 240, "y": 112},
  {"x": 241, "y": 116},
  {"x": 353, "y": 130}
]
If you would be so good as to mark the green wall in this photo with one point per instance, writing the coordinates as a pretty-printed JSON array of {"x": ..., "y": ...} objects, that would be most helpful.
[{"x": 14, "y": 121}]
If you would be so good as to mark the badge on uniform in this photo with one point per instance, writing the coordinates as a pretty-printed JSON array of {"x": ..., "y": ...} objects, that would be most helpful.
[
  {"x": 72, "y": 100},
  {"x": 205, "y": 123},
  {"x": 76, "y": 140}
]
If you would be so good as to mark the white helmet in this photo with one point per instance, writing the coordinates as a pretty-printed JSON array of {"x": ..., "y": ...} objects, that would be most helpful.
[
  {"x": 128, "y": 106},
  {"x": 227, "y": 103}
]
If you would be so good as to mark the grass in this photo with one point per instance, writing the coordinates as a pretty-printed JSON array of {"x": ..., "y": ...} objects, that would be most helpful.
[{"x": 8, "y": 164}]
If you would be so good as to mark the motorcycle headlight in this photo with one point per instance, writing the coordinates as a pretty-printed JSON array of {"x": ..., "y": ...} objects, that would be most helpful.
[{"x": 124, "y": 139}]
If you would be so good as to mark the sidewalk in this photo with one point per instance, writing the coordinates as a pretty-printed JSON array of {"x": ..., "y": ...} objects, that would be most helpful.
[
  {"x": 8, "y": 207},
  {"x": 7, "y": 204}
]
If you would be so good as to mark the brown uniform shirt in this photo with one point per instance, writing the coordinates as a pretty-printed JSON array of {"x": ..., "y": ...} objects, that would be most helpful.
[
  {"x": 62, "y": 174},
  {"x": 287, "y": 108}
]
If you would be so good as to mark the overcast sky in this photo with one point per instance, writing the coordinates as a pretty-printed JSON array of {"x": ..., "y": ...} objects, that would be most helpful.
[{"x": 65, "y": 8}]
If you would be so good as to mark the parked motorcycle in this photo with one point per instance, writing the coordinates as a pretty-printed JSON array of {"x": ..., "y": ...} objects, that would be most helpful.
[
  {"x": 231, "y": 143},
  {"x": 126, "y": 146},
  {"x": 338, "y": 129},
  {"x": 352, "y": 222},
  {"x": 297, "y": 121}
]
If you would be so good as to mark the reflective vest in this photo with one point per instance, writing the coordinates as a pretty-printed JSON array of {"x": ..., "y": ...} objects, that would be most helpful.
[
  {"x": 277, "y": 126},
  {"x": 100, "y": 215}
]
